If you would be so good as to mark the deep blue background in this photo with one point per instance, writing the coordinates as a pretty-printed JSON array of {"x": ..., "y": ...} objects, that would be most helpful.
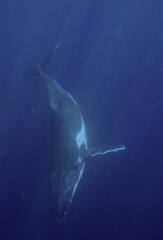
[{"x": 111, "y": 61}]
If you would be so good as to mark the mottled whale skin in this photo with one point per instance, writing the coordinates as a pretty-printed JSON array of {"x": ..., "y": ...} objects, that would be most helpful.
[{"x": 69, "y": 151}]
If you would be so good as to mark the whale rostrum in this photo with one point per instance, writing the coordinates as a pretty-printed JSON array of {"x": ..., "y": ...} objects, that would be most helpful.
[{"x": 69, "y": 150}]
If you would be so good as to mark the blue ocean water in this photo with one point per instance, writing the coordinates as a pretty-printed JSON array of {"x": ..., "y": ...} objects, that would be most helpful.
[{"x": 111, "y": 61}]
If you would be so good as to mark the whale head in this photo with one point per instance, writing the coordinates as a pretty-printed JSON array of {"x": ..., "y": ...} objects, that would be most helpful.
[{"x": 63, "y": 189}]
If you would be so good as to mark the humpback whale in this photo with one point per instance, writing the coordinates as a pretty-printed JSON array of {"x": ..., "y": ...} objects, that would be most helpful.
[{"x": 69, "y": 150}]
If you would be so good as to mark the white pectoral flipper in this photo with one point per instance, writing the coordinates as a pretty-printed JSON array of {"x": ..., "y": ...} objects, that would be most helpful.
[{"x": 101, "y": 151}]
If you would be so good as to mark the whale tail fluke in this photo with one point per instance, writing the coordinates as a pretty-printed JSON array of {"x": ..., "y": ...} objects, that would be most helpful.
[
  {"x": 101, "y": 151},
  {"x": 45, "y": 60},
  {"x": 38, "y": 70}
]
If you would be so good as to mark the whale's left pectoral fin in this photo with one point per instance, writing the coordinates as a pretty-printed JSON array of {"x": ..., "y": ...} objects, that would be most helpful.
[{"x": 101, "y": 151}]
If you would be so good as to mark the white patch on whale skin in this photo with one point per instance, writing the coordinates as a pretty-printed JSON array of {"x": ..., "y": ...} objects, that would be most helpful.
[
  {"x": 72, "y": 98},
  {"x": 76, "y": 184},
  {"x": 81, "y": 136},
  {"x": 79, "y": 160}
]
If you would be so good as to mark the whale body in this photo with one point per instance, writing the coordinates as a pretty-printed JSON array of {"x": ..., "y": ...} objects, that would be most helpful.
[{"x": 69, "y": 150}]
